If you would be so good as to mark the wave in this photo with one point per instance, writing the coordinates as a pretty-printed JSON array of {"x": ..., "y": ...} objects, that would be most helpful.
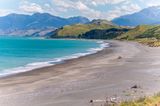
[{"x": 37, "y": 65}]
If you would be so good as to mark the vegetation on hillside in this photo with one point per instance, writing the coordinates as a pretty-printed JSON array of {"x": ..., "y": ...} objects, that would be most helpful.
[
  {"x": 152, "y": 32},
  {"x": 80, "y": 29},
  {"x": 135, "y": 32},
  {"x": 77, "y": 30},
  {"x": 104, "y": 34},
  {"x": 146, "y": 101},
  {"x": 102, "y": 29},
  {"x": 145, "y": 34}
]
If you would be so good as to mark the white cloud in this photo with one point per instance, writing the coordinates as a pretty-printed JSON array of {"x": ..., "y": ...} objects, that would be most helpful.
[
  {"x": 30, "y": 7},
  {"x": 104, "y": 2},
  {"x": 64, "y": 3},
  {"x": 94, "y": 3},
  {"x": 121, "y": 7},
  {"x": 4, "y": 12},
  {"x": 123, "y": 10},
  {"x": 49, "y": 9},
  {"x": 153, "y": 3},
  {"x": 89, "y": 8},
  {"x": 79, "y": 6},
  {"x": 150, "y": 3},
  {"x": 86, "y": 11},
  {"x": 82, "y": 7}
]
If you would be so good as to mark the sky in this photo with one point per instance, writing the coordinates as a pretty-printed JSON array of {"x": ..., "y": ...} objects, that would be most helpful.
[{"x": 92, "y": 9}]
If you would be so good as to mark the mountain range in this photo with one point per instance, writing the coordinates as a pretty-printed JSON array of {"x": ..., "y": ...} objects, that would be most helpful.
[
  {"x": 150, "y": 16},
  {"x": 42, "y": 24},
  {"x": 20, "y": 24}
]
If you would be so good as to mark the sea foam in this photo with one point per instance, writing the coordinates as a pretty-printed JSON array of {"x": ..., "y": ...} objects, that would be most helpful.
[{"x": 37, "y": 65}]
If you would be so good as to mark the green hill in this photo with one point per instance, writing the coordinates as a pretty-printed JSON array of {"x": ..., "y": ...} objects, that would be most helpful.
[
  {"x": 135, "y": 32},
  {"x": 102, "y": 29},
  {"x": 111, "y": 33},
  {"x": 142, "y": 31},
  {"x": 146, "y": 34},
  {"x": 78, "y": 30},
  {"x": 153, "y": 32}
]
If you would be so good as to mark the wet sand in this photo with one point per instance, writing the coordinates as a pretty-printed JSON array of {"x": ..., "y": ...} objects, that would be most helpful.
[{"x": 108, "y": 73}]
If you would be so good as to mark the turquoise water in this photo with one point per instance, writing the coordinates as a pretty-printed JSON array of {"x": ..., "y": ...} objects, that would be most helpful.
[{"x": 23, "y": 54}]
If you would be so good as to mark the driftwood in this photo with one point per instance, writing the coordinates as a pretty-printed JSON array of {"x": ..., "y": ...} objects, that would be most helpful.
[{"x": 109, "y": 101}]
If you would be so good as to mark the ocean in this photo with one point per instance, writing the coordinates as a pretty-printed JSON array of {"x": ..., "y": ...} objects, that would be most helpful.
[{"x": 19, "y": 54}]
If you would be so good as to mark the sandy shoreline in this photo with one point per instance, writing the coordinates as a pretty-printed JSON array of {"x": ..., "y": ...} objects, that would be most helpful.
[{"x": 96, "y": 76}]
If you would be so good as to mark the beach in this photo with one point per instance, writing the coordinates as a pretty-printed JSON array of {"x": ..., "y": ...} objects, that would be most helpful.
[{"x": 109, "y": 73}]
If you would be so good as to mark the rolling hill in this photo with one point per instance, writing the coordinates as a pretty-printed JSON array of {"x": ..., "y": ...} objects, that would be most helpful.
[
  {"x": 135, "y": 32},
  {"x": 110, "y": 33},
  {"x": 142, "y": 31},
  {"x": 78, "y": 30},
  {"x": 145, "y": 34}
]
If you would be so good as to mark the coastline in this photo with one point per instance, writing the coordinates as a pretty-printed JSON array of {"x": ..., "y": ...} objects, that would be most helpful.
[
  {"x": 54, "y": 61},
  {"x": 95, "y": 76},
  {"x": 103, "y": 44}
]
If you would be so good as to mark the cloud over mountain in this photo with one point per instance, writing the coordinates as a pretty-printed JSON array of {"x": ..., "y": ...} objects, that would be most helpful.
[
  {"x": 104, "y": 9},
  {"x": 149, "y": 15}
]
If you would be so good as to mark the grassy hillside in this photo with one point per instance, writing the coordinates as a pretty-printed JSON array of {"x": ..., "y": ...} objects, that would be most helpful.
[
  {"x": 102, "y": 29},
  {"x": 145, "y": 34},
  {"x": 110, "y": 33},
  {"x": 152, "y": 32},
  {"x": 79, "y": 29},
  {"x": 146, "y": 101},
  {"x": 135, "y": 32}
]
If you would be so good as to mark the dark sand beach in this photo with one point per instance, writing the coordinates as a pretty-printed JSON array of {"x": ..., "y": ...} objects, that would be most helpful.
[{"x": 111, "y": 72}]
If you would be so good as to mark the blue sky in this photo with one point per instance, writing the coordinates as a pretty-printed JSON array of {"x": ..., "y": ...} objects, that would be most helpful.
[{"x": 105, "y": 9}]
